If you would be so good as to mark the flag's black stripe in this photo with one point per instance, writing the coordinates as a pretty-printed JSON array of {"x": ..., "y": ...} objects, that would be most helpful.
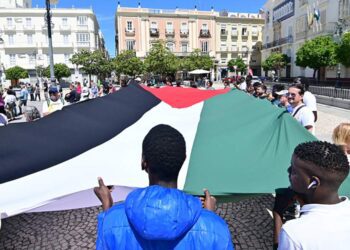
[{"x": 27, "y": 148}]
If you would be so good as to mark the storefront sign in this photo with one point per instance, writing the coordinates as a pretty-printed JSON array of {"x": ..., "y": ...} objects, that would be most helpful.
[{"x": 284, "y": 11}]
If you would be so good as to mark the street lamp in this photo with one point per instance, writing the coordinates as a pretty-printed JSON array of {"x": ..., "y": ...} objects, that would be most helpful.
[
  {"x": 338, "y": 32},
  {"x": 49, "y": 33}
]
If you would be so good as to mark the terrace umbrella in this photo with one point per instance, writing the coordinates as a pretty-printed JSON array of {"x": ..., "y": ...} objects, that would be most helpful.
[
  {"x": 198, "y": 72},
  {"x": 231, "y": 148}
]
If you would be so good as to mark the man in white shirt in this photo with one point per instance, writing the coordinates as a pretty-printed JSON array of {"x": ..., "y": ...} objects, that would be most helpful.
[
  {"x": 53, "y": 103},
  {"x": 309, "y": 99},
  {"x": 301, "y": 112},
  {"x": 317, "y": 170}
]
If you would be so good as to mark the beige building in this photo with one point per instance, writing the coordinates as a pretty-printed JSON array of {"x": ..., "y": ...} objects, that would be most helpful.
[{"x": 186, "y": 30}]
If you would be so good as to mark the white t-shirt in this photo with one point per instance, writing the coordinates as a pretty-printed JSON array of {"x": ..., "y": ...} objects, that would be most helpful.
[
  {"x": 9, "y": 99},
  {"x": 319, "y": 227},
  {"x": 304, "y": 116},
  {"x": 310, "y": 101},
  {"x": 52, "y": 107},
  {"x": 243, "y": 86}
]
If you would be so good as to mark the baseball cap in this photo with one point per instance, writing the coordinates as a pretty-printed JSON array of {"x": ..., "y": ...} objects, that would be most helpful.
[
  {"x": 138, "y": 79},
  {"x": 282, "y": 92}
]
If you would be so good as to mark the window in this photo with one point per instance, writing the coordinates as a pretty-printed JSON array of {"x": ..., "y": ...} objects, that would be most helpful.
[
  {"x": 11, "y": 40},
  {"x": 9, "y": 21},
  {"x": 184, "y": 28},
  {"x": 65, "y": 21},
  {"x": 154, "y": 25},
  {"x": 184, "y": 47},
  {"x": 234, "y": 31},
  {"x": 65, "y": 39},
  {"x": 12, "y": 59},
  {"x": 254, "y": 30},
  {"x": 130, "y": 44},
  {"x": 223, "y": 60},
  {"x": 223, "y": 47},
  {"x": 83, "y": 37},
  {"x": 82, "y": 20},
  {"x": 28, "y": 22},
  {"x": 30, "y": 39},
  {"x": 223, "y": 28},
  {"x": 244, "y": 31},
  {"x": 169, "y": 27},
  {"x": 170, "y": 46},
  {"x": 129, "y": 25},
  {"x": 32, "y": 58},
  {"x": 204, "y": 26},
  {"x": 66, "y": 58},
  {"x": 204, "y": 46}
]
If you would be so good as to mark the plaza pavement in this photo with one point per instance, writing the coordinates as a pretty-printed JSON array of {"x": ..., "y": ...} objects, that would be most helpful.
[{"x": 249, "y": 220}]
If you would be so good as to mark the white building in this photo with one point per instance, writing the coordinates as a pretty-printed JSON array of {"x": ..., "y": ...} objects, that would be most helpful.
[
  {"x": 289, "y": 23},
  {"x": 24, "y": 40}
]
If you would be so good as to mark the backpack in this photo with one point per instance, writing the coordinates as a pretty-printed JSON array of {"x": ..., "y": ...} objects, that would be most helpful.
[{"x": 32, "y": 113}]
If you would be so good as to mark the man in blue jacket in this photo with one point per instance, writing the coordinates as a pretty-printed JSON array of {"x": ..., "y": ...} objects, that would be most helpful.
[{"x": 160, "y": 216}]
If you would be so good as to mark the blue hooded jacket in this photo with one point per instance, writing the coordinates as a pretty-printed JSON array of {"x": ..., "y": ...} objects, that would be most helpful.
[{"x": 161, "y": 218}]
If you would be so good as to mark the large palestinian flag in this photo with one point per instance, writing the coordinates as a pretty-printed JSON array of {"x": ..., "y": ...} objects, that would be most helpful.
[{"x": 236, "y": 144}]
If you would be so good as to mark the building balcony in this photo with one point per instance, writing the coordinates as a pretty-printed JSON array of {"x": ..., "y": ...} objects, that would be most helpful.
[
  {"x": 170, "y": 33},
  {"x": 223, "y": 32},
  {"x": 44, "y": 26},
  {"x": 130, "y": 32},
  {"x": 279, "y": 42},
  {"x": 58, "y": 45},
  {"x": 182, "y": 54},
  {"x": 83, "y": 27},
  {"x": 83, "y": 44},
  {"x": 9, "y": 28},
  {"x": 184, "y": 33},
  {"x": 154, "y": 32},
  {"x": 65, "y": 27},
  {"x": 255, "y": 34},
  {"x": 29, "y": 28},
  {"x": 204, "y": 33},
  {"x": 20, "y": 45},
  {"x": 223, "y": 48}
]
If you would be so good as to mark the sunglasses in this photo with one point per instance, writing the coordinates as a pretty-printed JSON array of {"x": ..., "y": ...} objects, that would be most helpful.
[{"x": 291, "y": 95}]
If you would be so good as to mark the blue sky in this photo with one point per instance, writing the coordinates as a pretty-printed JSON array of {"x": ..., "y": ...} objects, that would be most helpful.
[{"x": 105, "y": 10}]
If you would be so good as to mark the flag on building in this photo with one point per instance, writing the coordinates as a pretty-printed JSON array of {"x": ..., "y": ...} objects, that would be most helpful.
[{"x": 236, "y": 144}]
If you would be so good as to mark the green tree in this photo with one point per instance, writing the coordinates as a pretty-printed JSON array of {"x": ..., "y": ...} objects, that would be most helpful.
[
  {"x": 127, "y": 63},
  {"x": 161, "y": 61},
  {"x": 343, "y": 51},
  {"x": 198, "y": 60},
  {"x": 239, "y": 63},
  {"x": 93, "y": 63},
  {"x": 16, "y": 73},
  {"x": 276, "y": 61},
  {"x": 60, "y": 69},
  {"x": 317, "y": 53}
]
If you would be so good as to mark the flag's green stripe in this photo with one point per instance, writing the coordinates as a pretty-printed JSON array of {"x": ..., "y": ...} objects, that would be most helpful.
[{"x": 243, "y": 145}]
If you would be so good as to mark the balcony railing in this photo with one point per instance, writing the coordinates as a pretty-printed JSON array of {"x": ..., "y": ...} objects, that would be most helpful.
[
  {"x": 65, "y": 27},
  {"x": 9, "y": 27},
  {"x": 28, "y": 27},
  {"x": 83, "y": 44},
  {"x": 20, "y": 45},
  {"x": 183, "y": 33},
  {"x": 129, "y": 32},
  {"x": 279, "y": 42},
  {"x": 154, "y": 32},
  {"x": 204, "y": 33},
  {"x": 255, "y": 33},
  {"x": 169, "y": 32},
  {"x": 83, "y": 27}
]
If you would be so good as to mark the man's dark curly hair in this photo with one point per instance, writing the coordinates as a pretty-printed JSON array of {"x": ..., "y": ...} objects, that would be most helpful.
[
  {"x": 326, "y": 156},
  {"x": 164, "y": 151},
  {"x": 298, "y": 86}
]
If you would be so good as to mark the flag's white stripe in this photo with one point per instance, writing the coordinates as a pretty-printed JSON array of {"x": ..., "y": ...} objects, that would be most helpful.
[{"x": 118, "y": 161}]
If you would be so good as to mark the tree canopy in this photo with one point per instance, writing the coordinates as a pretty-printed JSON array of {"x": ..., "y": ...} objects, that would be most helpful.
[
  {"x": 127, "y": 63},
  {"x": 60, "y": 69},
  {"x": 160, "y": 60},
  {"x": 343, "y": 51},
  {"x": 317, "y": 53},
  {"x": 16, "y": 73},
  {"x": 276, "y": 61},
  {"x": 196, "y": 60},
  {"x": 239, "y": 63},
  {"x": 93, "y": 63}
]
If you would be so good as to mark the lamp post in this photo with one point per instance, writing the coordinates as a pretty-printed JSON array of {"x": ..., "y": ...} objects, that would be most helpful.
[{"x": 49, "y": 33}]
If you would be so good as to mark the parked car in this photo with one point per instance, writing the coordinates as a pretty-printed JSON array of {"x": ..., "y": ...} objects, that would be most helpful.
[{"x": 256, "y": 79}]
